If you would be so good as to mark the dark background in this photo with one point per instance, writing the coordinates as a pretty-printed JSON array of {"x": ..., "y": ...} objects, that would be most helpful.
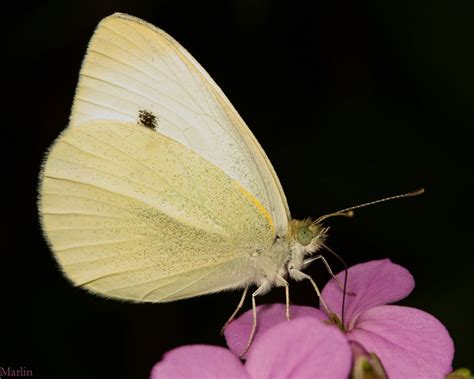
[{"x": 352, "y": 101}]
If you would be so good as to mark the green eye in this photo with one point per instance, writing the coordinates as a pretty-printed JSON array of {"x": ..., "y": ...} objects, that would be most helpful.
[{"x": 305, "y": 235}]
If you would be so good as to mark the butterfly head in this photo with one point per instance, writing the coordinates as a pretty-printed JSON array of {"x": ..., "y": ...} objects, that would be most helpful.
[{"x": 305, "y": 237}]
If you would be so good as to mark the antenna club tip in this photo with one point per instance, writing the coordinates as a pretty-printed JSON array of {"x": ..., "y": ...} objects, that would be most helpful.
[
  {"x": 418, "y": 192},
  {"x": 350, "y": 213}
]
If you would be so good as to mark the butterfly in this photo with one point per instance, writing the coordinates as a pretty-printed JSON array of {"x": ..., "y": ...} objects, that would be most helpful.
[{"x": 157, "y": 190}]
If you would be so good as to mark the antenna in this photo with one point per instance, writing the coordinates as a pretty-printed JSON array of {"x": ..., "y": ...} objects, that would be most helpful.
[{"x": 348, "y": 212}]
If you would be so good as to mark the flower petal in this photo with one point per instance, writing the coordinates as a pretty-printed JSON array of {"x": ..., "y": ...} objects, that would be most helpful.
[
  {"x": 374, "y": 283},
  {"x": 410, "y": 343},
  {"x": 300, "y": 348},
  {"x": 238, "y": 332},
  {"x": 199, "y": 361}
]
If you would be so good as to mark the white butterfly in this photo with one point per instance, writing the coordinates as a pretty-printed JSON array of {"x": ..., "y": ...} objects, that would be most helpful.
[{"x": 157, "y": 190}]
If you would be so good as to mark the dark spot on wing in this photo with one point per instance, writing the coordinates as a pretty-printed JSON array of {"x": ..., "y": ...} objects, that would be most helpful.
[{"x": 148, "y": 119}]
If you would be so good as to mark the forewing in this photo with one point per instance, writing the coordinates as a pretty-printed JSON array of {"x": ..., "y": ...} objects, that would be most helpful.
[
  {"x": 135, "y": 72},
  {"x": 133, "y": 214}
]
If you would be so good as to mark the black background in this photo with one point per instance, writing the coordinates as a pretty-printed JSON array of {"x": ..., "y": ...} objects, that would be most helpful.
[{"x": 352, "y": 101}]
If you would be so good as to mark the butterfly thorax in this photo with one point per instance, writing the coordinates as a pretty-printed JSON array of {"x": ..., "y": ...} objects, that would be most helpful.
[{"x": 286, "y": 257}]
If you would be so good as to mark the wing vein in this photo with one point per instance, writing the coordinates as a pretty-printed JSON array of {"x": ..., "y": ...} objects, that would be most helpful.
[
  {"x": 101, "y": 228},
  {"x": 96, "y": 244},
  {"x": 97, "y": 187},
  {"x": 135, "y": 93},
  {"x": 176, "y": 80},
  {"x": 180, "y": 289},
  {"x": 103, "y": 106},
  {"x": 128, "y": 210},
  {"x": 180, "y": 57},
  {"x": 156, "y": 88}
]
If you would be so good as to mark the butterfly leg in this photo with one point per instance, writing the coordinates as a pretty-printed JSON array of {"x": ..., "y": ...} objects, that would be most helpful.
[
  {"x": 239, "y": 306},
  {"x": 299, "y": 275},
  {"x": 287, "y": 295},
  {"x": 259, "y": 290},
  {"x": 309, "y": 260}
]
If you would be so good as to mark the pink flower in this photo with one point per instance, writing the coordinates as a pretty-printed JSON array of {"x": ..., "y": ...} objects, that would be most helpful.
[
  {"x": 403, "y": 341},
  {"x": 301, "y": 348},
  {"x": 409, "y": 343}
]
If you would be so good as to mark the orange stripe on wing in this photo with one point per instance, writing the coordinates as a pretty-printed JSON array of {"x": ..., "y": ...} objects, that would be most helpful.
[{"x": 257, "y": 204}]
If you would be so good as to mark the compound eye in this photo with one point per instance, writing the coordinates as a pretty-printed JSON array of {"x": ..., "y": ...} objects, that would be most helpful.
[{"x": 305, "y": 235}]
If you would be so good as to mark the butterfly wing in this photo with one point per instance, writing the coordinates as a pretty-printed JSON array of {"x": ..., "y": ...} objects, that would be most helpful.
[
  {"x": 133, "y": 214},
  {"x": 157, "y": 190},
  {"x": 133, "y": 70}
]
